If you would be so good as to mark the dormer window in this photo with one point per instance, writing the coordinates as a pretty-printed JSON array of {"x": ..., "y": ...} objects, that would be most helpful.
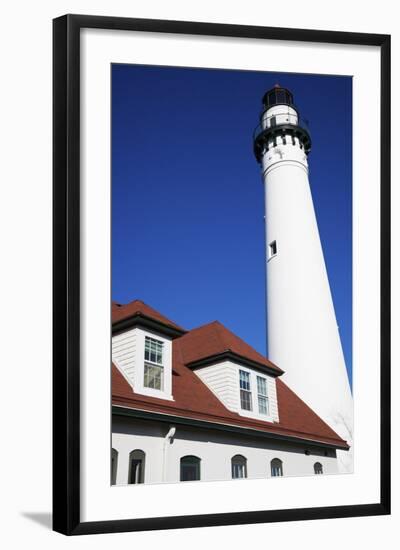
[
  {"x": 153, "y": 364},
  {"x": 256, "y": 394},
  {"x": 262, "y": 394},
  {"x": 144, "y": 356},
  {"x": 245, "y": 390}
]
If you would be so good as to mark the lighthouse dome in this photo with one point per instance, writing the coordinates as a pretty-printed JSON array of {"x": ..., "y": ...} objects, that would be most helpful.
[
  {"x": 277, "y": 96},
  {"x": 279, "y": 123}
]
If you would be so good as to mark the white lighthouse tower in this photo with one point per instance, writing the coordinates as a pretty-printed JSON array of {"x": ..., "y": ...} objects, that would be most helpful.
[{"x": 303, "y": 336}]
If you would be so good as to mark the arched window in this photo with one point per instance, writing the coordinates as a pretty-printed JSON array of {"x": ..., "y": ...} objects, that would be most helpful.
[
  {"x": 239, "y": 467},
  {"x": 190, "y": 468},
  {"x": 137, "y": 459},
  {"x": 114, "y": 466},
  {"x": 276, "y": 467},
  {"x": 318, "y": 468}
]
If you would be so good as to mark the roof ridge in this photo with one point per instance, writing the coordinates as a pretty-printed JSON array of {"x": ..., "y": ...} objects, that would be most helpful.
[
  {"x": 202, "y": 326},
  {"x": 139, "y": 307},
  {"x": 137, "y": 300},
  {"x": 157, "y": 311},
  {"x": 225, "y": 340}
]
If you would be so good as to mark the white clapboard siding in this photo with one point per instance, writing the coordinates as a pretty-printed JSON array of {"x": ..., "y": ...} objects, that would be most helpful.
[
  {"x": 272, "y": 398},
  {"x": 222, "y": 381},
  {"x": 124, "y": 353}
]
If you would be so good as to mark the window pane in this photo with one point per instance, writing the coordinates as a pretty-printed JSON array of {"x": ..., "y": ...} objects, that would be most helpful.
[
  {"x": 153, "y": 377},
  {"x": 263, "y": 407},
  {"x": 281, "y": 97},
  {"x": 244, "y": 378},
  {"x": 276, "y": 467},
  {"x": 153, "y": 350},
  {"x": 136, "y": 471},
  {"x": 272, "y": 98},
  {"x": 136, "y": 466},
  {"x": 189, "y": 472},
  {"x": 261, "y": 385},
  {"x": 263, "y": 404},
  {"x": 239, "y": 467},
  {"x": 238, "y": 471},
  {"x": 245, "y": 400},
  {"x": 272, "y": 249},
  {"x": 114, "y": 463},
  {"x": 318, "y": 468},
  {"x": 245, "y": 393},
  {"x": 190, "y": 468}
]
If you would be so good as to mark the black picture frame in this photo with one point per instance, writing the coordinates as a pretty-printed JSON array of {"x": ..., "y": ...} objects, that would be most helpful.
[{"x": 66, "y": 272}]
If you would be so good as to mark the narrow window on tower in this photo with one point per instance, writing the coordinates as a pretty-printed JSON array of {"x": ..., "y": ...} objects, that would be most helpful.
[{"x": 272, "y": 249}]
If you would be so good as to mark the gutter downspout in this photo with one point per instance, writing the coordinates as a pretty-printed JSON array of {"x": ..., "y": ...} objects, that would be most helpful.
[{"x": 168, "y": 439}]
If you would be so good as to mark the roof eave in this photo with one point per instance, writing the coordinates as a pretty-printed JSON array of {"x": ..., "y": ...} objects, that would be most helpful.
[{"x": 120, "y": 410}]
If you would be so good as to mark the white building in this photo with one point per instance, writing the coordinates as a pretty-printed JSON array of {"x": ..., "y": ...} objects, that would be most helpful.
[{"x": 203, "y": 404}]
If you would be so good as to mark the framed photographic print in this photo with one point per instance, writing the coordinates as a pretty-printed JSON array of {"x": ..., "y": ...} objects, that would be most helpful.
[{"x": 221, "y": 274}]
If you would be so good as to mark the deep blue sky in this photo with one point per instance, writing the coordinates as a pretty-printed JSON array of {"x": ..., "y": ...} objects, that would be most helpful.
[{"x": 187, "y": 197}]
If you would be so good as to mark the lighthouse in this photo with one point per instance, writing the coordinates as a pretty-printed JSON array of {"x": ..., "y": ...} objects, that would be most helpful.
[{"x": 303, "y": 335}]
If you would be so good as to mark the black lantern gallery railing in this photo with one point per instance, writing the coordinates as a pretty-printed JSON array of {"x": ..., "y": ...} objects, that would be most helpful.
[{"x": 266, "y": 133}]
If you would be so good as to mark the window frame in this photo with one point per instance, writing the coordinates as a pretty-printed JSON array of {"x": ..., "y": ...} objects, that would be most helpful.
[
  {"x": 245, "y": 391},
  {"x": 149, "y": 364},
  {"x": 196, "y": 463},
  {"x": 114, "y": 466},
  {"x": 239, "y": 460},
  {"x": 276, "y": 465},
  {"x": 318, "y": 468},
  {"x": 142, "y": 459},
  {"x": 263, "y": 396},
  {"x": 271, "y": 415},
  {"x": 272, "y": 249}
]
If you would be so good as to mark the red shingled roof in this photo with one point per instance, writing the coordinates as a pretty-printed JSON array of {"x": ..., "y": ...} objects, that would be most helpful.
[
  {"x": 215, "y": 339},
  {"x": 193, "y": 399},
  {"x": 120, "y": 312}
]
